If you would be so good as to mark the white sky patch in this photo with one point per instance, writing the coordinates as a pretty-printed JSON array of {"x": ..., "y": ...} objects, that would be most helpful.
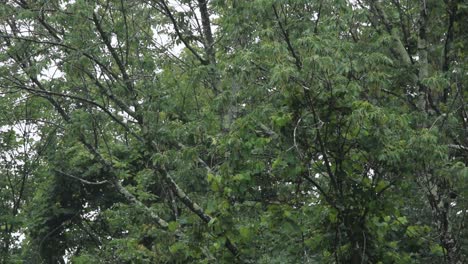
[
  {"x": 126, "y": 117},
  {"x": 92, "y": 215},
  {"x": 64, "y": 4},
  {"x": 26, "y": 131},
  {"x": 114, "y": 41},
  {"x": 50, "y": 73},
  {"x": 69, "y": 252},
  {"x": 461, "y": 212},
  {"x": 354, "y": 4},
  {"x": 18, "y": 238},
  {"x": 23, "y": 30},
  {"x": 163, "y": 40},
  {"x": 272, "y": 89}
]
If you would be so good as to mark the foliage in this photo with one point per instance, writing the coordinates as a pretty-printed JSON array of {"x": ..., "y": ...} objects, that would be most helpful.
[{"x": 270, "y": 131}]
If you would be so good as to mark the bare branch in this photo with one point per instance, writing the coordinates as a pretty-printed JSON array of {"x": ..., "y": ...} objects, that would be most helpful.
[{"x": 81, "y": 179}]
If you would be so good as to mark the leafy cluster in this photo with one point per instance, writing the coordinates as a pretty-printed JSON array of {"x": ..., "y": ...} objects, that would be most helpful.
[{"x": 268, "y": 131}]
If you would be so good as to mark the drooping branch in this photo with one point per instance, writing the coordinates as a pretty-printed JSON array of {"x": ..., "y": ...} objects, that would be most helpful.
[
  {"x": 48, "y": 94},
  {"x": 113, "y": 179}
]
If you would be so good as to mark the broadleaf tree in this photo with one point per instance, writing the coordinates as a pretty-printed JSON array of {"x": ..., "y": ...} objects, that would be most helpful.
[{"x": 268, "y": 131}]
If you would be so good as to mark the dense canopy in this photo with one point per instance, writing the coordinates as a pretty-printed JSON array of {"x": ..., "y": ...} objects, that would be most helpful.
[{"x": 233, "y": 131}]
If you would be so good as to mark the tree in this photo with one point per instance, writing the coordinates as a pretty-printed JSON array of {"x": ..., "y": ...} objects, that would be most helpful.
[{"x": 236, "y": 131}]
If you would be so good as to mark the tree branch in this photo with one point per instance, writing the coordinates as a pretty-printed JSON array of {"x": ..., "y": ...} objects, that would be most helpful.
[
  {"x": 166, "y": 11},
  {"x": 288, "y": 41},
  {"x": 80, "y": 179}
]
